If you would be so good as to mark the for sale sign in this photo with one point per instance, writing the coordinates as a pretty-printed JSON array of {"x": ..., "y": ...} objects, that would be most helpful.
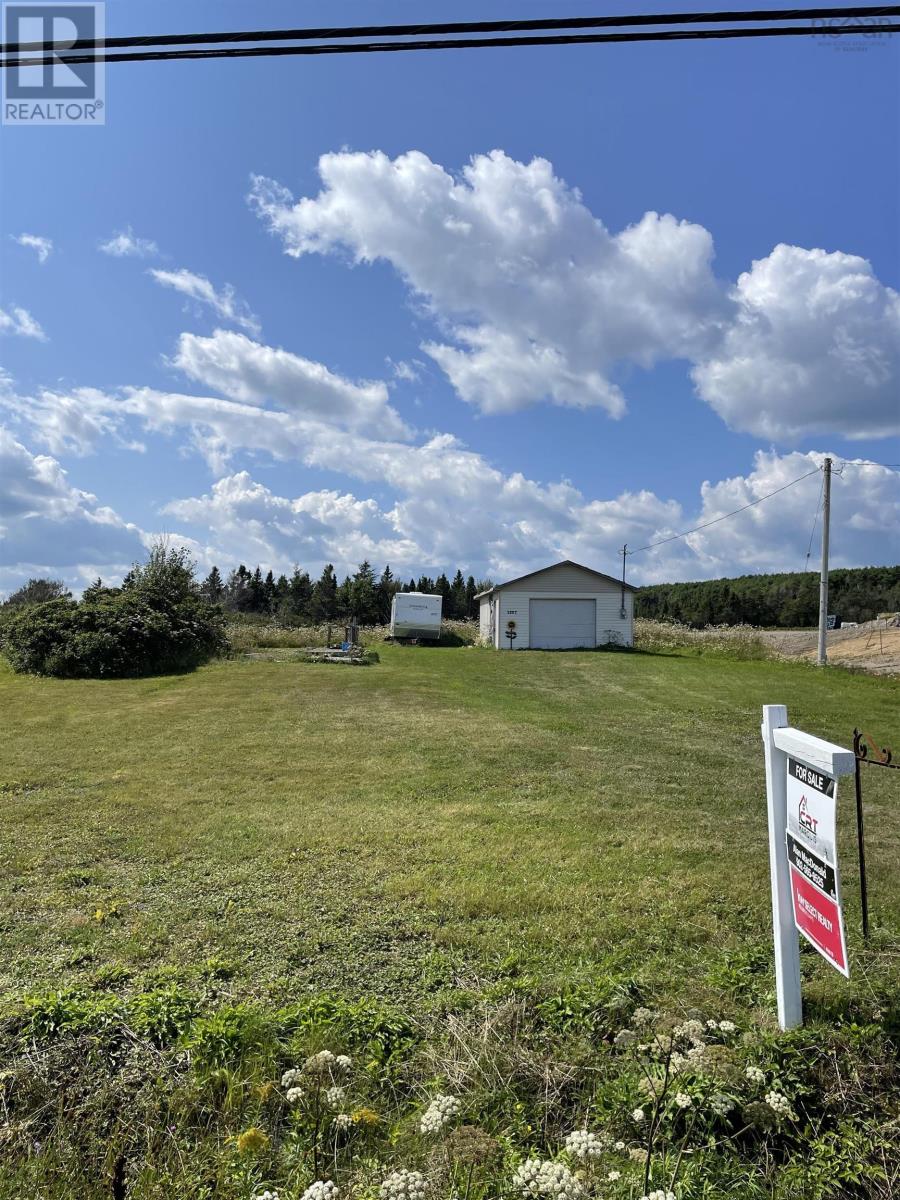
[{"x": 812, "y": 859}]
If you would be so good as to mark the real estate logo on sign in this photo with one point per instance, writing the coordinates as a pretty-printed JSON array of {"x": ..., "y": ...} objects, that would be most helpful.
[{"x": 812, "y": 858}]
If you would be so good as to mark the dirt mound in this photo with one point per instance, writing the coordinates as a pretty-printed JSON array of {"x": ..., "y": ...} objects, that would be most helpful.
[{"x": 873, "y": 646}]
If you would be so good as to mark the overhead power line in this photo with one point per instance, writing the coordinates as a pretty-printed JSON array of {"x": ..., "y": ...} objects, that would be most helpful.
[
  {"x": 433, "y": 29},
  {"x": 725, "y": 516},
  {"x": 75, "y": 55}
]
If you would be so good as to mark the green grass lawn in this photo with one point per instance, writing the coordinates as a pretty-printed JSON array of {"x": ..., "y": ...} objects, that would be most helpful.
[{"x": 437, "y": 821}]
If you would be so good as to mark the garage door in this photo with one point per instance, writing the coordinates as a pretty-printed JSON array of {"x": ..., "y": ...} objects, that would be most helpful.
[{"x": 562, "y": 624}]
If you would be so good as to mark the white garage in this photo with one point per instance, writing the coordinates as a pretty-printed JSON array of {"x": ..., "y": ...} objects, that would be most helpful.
[{"x": 562, "y": 607}]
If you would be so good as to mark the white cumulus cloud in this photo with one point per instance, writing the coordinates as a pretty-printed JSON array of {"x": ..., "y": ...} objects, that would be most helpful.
[
  {"x": 42, "y": 246},
  {"x": 814, "y": 347},
  {"x": 224, "y": 303},
  {"x": 18, "y": 322},
  {"x": 541, "y": 300},
  {"x": 245, "y": 370},
  {"x": 535, "y": 299},
  {"x": 126, "y": 244},
  {"x": 49, "y": 527}
]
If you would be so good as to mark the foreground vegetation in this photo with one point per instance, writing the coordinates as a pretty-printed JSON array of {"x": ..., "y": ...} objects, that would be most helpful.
[
  {"x": 469, "y": 871},
  {"x": 155, "y": 623}
]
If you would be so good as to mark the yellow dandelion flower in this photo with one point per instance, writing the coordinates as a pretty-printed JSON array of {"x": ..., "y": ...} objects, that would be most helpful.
[{"x": 265, "y": 1090}]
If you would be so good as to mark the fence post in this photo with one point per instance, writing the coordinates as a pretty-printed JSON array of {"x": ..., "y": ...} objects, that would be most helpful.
[{"x": 787, "y": 942}]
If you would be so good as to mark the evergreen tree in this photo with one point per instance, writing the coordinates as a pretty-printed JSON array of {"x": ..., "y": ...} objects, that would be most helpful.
[
  {"x": 424, "y": 585},
  {"x": 256, "y": 599},
  {"x": 343, "y": 597},
  {"x": 268, "y": 593},
  {"x": 212, "y": 588},
  {"x": 471, "y": 590},
  {"x": 237, "y": 590},
  {"x": 364, "y": 597},
  {"x": 387, "y": 588},
  {"x": 323, "y": 602},
  {"x": 458, "y": 597},
  {"x": 442, "y": 585},
  {"x": 296, "y": 600}
]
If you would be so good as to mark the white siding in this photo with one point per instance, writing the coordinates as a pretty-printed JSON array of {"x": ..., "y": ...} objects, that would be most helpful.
[
  {"x": 484, "y": 618},
  {"x": 563, "y": 579},
  {"x": 513, "y": 605}
]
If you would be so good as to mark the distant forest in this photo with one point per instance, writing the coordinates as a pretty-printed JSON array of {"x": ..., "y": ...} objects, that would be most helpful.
[
  {"x": 365, "y": 595},
  {"x": 774, "y": 601}
]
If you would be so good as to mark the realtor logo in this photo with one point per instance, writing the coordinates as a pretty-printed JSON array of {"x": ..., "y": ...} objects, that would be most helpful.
[
  {"x": 805, "y": 817},
  {"x": 45, "y": 89}
]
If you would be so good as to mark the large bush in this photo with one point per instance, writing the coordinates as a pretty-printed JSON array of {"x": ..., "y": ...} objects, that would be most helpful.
[{"x": 154, "y": 624}]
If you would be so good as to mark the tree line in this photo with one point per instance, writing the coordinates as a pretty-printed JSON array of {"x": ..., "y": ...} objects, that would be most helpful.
[
  {"x": 365, "y": 595},
  {"x": 786, "y": 601}
]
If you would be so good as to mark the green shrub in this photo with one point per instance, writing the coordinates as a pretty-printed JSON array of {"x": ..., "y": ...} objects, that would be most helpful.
[{"x": 155, "y": 623}]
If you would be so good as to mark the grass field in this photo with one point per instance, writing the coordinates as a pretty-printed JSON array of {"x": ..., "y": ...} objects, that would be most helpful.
[{"x": 442, "y": 820}]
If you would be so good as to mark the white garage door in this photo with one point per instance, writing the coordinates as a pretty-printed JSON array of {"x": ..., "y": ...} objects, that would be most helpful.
[{"x": 562, "y": 624}]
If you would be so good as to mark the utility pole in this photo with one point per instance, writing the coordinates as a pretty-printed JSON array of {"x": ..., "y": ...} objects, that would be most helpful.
[
  {"x": 624, "y": 553},
  {"x": 823, "y": 578}
]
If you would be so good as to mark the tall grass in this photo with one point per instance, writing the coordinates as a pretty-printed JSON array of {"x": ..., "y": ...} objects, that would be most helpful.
[
  {"x": 271, "y": 635},
  {"x": 744, "y": 642}
]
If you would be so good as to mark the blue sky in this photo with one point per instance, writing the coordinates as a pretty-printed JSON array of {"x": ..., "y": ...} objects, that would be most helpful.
[{"x": 609, "y": 379}]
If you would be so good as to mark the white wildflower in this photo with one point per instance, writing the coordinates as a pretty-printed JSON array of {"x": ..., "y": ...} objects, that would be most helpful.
[
  {"x": 755, "y": 1075},
  {"x": 343, "y": 1121},
  {"x": 543, "y": 1178},
  {"x": 439, "y": 1113},
  {"x": 334, "y": 1096},
  {"x": 613, "y": 1176},
  {"x": 712, "y": 1026},
  {"x": 779, "y": 1104},
  {"x": 319, "y": 1064},
  {"x": 695, "y": 1054},
  {"x": 677, "y": 1062},
  {"x": 659, "y": 1194},
  {"x": 266, "y": 1195},
  {"x": 290, "y": 1077},
  {"x": 720, "y": 1105},
  {"x": 624, "y": 1038},
  {"x": 294, "y": 1095},
  {"x": 585, "y": 1145},
  {"x": 642, "y": 1017},
  {"x": 691, "y": 1031},
  {"x": 343, "y": 1063},
  {"x": 619, "y": 1146},
  {"x": 727, "y": 1027},
  {"x": 322, "y": 1189},
  {"x": 683, "y": 1100},
  {"x": 403, "y": 1185},
  {"x": 638, "y": 1116}
]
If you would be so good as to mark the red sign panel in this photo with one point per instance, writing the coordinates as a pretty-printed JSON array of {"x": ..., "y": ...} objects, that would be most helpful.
[{"x": 819, "y": 919}]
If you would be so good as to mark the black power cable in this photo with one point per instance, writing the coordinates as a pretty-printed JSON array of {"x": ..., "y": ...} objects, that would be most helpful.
[
  {"x": 675, "y": 536},
  {"x": 446, "y": 27},
  {"x": 454, "y": 44}
]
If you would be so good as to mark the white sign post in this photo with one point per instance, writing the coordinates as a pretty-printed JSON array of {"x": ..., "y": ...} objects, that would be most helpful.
[{"x": 783, "y": 746}]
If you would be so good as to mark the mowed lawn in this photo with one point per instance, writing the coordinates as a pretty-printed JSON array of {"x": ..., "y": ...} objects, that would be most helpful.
[{"x": 433, "y": 823}]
